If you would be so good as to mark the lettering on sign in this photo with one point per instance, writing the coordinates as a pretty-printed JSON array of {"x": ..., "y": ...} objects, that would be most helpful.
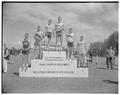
[
  {"x": 48, "y": 72},
  {"x": 54, "y": 64}
]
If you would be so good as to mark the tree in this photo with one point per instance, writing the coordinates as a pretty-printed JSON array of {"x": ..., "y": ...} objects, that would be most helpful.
[{"x": 99, "y": 48}]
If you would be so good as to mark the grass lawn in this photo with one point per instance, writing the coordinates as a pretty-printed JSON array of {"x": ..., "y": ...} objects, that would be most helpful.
[{"x": 100, "y": 80}]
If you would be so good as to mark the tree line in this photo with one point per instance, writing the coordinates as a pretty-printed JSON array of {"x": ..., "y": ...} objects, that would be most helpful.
[{"x": 99, "y": 48}]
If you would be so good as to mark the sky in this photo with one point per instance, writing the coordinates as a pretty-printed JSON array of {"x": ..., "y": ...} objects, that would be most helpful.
[{"x": 95, "y": 21}]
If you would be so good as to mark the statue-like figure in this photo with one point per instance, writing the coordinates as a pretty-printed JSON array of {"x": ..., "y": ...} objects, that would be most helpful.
[
  {"x": 49, "y": 31},
  {"x": 38, "y": 36},
  {"x": 70, "y": 44},
  {"x": 81, "y": 52},
  {"x": 25, "y": 49},
  {"x": 59, "y": 27}
]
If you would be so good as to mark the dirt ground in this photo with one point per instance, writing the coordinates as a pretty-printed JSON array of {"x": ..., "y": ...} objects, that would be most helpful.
[{"x": 100, "y": 80}]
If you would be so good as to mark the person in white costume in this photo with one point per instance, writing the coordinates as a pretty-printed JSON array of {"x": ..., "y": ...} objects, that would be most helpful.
[
  {"x": 59, "y": 27},
  {"x": 6, "y": 58},
  {"x": 38, "y": 36},
  {"x": 81, "y": 51},
  {"x": 49, "y": 31},
  {"x": 70, "y": 44}
]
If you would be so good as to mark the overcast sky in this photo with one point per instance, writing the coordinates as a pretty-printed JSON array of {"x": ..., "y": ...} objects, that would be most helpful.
[{"x": 95, "y": 21}]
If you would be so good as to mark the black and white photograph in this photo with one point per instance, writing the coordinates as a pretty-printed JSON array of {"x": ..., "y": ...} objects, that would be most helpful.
[{"x": 60, "y": 47}]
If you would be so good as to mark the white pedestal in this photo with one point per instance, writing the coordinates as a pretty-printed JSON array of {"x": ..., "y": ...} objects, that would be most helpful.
[{"x": 50, "y": 67}]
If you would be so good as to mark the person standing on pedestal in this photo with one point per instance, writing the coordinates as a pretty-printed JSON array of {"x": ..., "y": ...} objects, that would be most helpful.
[
  {"x": 49, "y": 31},
  {"x": 38, "y": 36},
  {"x": 81, "y": 52},
  {"x": 59, "y": 31},
  {"x": 6, "y": 58},
  {"x": 25, "y": 49},
  {"x": 70, "y": 44}
]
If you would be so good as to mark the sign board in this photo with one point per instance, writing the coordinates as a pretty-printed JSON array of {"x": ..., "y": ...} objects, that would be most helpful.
[{"x": 54, "y": 55}]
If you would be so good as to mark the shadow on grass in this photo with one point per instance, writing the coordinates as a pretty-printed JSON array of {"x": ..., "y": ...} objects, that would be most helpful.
[
  {"x": 109, "y": 81},
  {"x": 115, "y": 68},
  {"x": 5, "y": 89},
  {"x": 15, "y": 73},
  {"x": 115, "y": 64},
  {"x": 101, "y": 68},
  {"x": 106, "y": 68}
]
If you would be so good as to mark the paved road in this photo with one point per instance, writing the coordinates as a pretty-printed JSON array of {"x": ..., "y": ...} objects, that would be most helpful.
[{"x": 100, "y": 80}]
